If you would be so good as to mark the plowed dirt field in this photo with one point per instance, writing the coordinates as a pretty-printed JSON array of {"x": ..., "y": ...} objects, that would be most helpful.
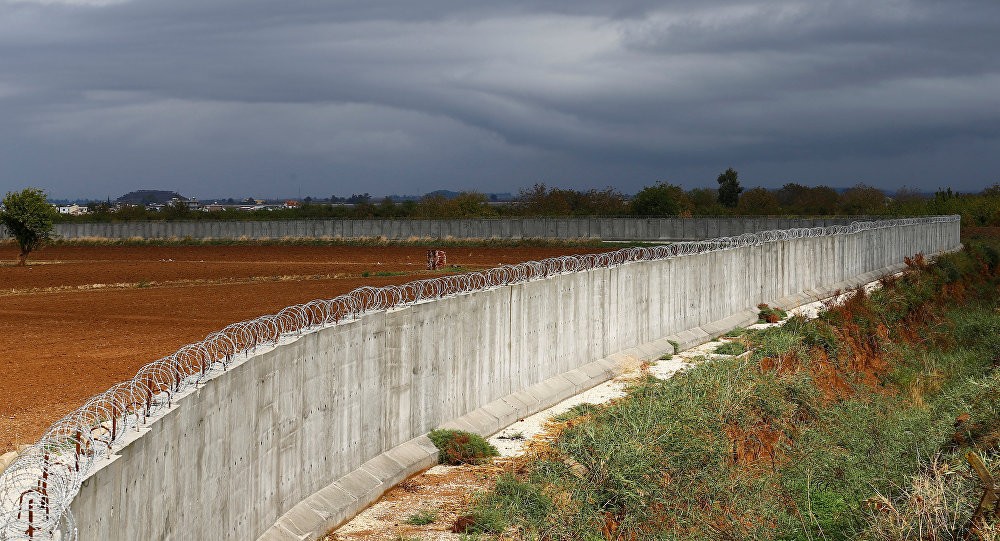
[{"x": 81, "y": 318}]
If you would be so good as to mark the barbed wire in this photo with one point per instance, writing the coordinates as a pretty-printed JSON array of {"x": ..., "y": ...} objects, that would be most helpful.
[{"x": 36, "y": 490}]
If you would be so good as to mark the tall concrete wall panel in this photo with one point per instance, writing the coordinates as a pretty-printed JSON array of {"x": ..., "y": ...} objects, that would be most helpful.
[
  {"x": 611, "y": 229},
  {"x": 234, "y": 455}
]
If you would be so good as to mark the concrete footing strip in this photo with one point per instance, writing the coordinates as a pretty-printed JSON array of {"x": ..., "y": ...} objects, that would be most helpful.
[{"x": 340, "y": 501}]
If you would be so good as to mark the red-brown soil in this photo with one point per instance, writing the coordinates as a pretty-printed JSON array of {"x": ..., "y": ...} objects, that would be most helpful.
[{"x": 81, "y": 318}]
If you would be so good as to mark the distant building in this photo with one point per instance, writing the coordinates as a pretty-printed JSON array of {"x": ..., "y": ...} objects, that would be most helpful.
[
  {"x": 192, "y": 204},
  {"x": 72, "y": 210},
  {"x": 291, "y": 204}
]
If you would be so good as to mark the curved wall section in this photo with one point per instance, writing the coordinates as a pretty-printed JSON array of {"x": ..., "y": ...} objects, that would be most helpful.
[{"x": 226, "y": 456}]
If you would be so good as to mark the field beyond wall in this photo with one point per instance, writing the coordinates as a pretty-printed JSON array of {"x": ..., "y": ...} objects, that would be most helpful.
[{"x": 80, "y": 318}]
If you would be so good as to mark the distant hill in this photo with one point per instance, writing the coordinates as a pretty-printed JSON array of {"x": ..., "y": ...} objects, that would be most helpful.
[
  {"x": 146, "y": 197},
  {"x": 448, "y": 194}
]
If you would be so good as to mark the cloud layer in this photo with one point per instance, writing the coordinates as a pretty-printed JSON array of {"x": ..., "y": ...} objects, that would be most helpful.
[{"x": 234, "y": 97}]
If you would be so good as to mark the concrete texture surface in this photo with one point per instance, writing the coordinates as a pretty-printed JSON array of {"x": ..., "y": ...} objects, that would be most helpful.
[{"x": 298, "y": 437}]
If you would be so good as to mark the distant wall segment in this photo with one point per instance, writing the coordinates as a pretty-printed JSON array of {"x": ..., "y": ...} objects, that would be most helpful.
[
  {"x": 609, "y": 229},
  {"x": 230, "y": 454}
]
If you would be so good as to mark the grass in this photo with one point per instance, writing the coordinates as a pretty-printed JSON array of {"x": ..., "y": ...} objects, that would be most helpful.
[
  {"x": 732, "y": 347},
  {"x": 368, "y": 274},
  {"x": 422, "y": 517},
  {"x": 457, "y": 447},
  {"x": 579, "y": 410},
  {"x": 850, "y": 426},
  {"x": 735, "y": 333}
]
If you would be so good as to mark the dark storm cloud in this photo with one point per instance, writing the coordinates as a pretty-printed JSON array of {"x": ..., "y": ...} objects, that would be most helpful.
[{"x": 218, "y": 97}]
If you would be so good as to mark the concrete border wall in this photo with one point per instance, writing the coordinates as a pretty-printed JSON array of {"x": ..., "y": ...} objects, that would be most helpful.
[
  {"x": 610, "y": 229},
  {"x": 231, "y": 457}
]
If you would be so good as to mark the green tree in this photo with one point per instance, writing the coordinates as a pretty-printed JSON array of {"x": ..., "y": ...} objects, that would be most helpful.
[
  {"x": 729, "y": 188},
  {"x": 705, "y": 202},
  {"x": 758, "y": 201},
  {"x": 28, "y": 217},
  {"x": 176, "y": 210},
  {"x": 907, "y": 202},
  {"x": 660, "y": 200},
  {"x": 387, "y": 208},
  {"x": 541, "y": 201},
  {"x": 798, "y": 199},
  {"x": 863, "y": 199}
]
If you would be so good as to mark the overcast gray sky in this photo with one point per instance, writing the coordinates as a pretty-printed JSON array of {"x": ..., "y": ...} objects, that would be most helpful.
[{"x": 318, "y": 97}]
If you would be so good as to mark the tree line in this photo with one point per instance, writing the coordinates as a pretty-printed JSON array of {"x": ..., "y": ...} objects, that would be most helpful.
[
  {"x": 28, "y": 217},
  {"x": 661, "y": 199}
]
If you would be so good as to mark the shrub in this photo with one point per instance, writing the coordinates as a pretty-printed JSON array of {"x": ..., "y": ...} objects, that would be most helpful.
[
  {"x": 768, "y": 314},
  {"x": 458, "y": 447}
]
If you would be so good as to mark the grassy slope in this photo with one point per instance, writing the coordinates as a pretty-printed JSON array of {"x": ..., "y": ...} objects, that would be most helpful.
[{"x": 850, "y": 426}]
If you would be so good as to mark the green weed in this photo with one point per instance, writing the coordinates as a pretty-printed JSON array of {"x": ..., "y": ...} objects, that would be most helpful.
[
  {"x": 768, "y": 314},
  {"x": 422, "y": 517},
  {"x": 458, "y": 447}
]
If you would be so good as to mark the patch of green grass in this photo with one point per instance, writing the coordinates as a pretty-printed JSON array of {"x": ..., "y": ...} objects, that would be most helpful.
[
  {"x": 512, "y": 501},
  {"x": 731, "y": 347},
  {"x": 735, "y": 333},
  {"x": 367, "y": 274},
  {"x": 422, "y": 517},
  {"x": 457, "y": 447},
  {"x": 578, "y": 410}
]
